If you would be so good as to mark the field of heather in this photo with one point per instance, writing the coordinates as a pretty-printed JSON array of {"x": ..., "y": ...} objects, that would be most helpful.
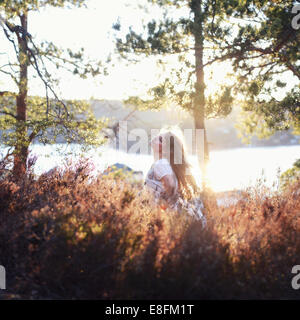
[{"x": 66, "y": 236}]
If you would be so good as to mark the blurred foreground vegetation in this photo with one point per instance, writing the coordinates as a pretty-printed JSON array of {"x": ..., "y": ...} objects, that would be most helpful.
[{"x": 66, "y": 235}]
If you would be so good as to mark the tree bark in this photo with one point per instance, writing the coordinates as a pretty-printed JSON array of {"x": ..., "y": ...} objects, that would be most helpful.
[
  {"x": 199, "y": 101},
  {"x": 21, "y": 144}
]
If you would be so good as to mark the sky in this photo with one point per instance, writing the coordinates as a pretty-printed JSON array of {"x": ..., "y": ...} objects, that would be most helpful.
[{"x": 91, "y": 28}]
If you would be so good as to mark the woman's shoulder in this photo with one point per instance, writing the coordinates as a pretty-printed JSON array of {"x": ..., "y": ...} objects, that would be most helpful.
[
  {"x": 162, "y": 168},
  {"x": 162, "y": 161}
]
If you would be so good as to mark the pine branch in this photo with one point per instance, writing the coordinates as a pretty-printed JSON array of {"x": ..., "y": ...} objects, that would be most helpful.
[
  {"x": 8, "y": 114},
  {"x": 20, "y": 32}
]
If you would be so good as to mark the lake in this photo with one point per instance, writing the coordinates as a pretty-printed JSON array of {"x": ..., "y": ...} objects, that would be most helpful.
[{"x": 228, "y": 169}]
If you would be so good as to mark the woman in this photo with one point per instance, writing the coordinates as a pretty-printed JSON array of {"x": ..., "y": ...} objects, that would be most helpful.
[{"x": 169, "y": 176}]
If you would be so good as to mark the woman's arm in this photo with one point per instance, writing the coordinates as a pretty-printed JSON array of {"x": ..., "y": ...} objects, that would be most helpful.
[
  {"x": 168, "y": 184},
  {"x": 163, "y": 173}
]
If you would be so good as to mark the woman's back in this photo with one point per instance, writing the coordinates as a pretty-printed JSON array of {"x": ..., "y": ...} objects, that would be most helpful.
[
  {"x": 160, "y": 169},
  {"x": 169, "y": 177}
]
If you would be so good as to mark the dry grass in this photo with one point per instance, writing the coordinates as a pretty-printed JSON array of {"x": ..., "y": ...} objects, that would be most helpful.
[{"x": 67, "y": 236}]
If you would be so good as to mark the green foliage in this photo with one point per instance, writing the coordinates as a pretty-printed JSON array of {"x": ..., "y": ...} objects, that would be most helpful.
[
  {"x": 174, "y": 35},
  {"x": 256, "y": 36},
  {"x": 290, "y": 176},
  {"x": 38, "y": 118},
  {"x": 265, "y": 56},
  {"x": 263, "y": 117},
  {"x": 79, "y": 126},
  {"x": 13, "y": 8},
  {"x": 220, "y": 105}
]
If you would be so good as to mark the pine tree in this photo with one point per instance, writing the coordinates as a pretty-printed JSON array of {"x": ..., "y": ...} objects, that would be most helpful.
[
  {"x": 195, "y": 33},
  {"x": 23, "y": 118},
  {"x": 266, "y": 58}
]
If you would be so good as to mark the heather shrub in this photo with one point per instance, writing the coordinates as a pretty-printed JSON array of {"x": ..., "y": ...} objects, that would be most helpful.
[{"x": 68, "y": 235}]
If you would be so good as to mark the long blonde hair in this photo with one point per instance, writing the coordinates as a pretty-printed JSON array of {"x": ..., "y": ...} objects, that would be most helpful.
[{"x": 173, "y": 149}]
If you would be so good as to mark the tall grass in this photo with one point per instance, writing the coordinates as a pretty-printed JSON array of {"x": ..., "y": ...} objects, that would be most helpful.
[{"x": 65, "y": 235}]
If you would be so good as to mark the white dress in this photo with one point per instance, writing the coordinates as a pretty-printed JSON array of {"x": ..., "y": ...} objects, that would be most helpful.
[{"x": 158, "y": 170}]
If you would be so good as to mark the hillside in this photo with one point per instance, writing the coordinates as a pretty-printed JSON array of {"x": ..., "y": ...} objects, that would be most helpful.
[{"x": 222, "y": 133}]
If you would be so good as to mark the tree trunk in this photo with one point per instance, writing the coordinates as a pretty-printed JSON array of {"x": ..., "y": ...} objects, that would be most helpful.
[
  {"x": 199, "y": 101},
  {"x": 21, "y": 145}
]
